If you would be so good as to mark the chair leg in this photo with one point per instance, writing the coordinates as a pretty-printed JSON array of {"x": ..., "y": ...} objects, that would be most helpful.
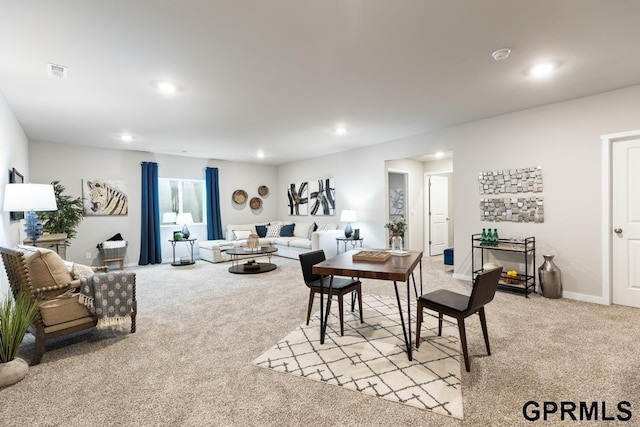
[
  {"x": 341, "y": 313},
  {"x": 359, "y": 292},
  {"x": 440, "y": 324},
  {"x": 463, "y": 342},
  {"x": 311, "y": 296},
  {"x": 37, "y": 357},
  {"x": 483, "y": 323},
  {"x": 418, "y": 324}
]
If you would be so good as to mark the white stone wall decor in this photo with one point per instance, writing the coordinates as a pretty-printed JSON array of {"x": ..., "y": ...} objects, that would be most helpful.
[
  {"x": 514, "y": 209},
  {"x": 526, "y": 180}
]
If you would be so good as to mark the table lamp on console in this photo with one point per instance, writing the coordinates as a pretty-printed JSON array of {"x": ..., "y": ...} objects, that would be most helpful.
[
  {"x": 31, "y": 198},
  {"x": 348, "y": 216}
]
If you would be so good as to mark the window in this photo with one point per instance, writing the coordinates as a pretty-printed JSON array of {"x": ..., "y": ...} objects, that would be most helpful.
[{"x": 181, "y": 196}]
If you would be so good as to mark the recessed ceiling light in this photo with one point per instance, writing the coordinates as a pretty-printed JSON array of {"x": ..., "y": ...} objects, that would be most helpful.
[
  {"x": 439, "y": 155},
  {"x": 542, "y": 70},
  {"x": 340, "y": 130},
  {"x": 501, "y": 54},
  {"x": 166, "y": 87},
  {"x": 127, "y": 137},
  {"x": 260, "y": 154}
]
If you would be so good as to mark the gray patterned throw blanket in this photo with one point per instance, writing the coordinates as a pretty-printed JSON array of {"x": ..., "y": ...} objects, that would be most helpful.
[{"x": 110, "y": 297}]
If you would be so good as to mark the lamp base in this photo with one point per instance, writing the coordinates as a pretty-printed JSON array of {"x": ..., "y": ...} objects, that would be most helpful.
[
  {"x": 33, "y": 227},
  {"x": 348, "y": 231},
  {"x": 185, "y": 231}
]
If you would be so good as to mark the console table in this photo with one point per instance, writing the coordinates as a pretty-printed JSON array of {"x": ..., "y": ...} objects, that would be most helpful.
[
  {"x": 345, "y": 240},
  {"x": 57, "y": 241}
]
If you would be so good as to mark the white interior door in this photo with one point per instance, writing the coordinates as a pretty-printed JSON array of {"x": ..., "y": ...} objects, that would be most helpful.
[
  {"x": 438, "y": 214},
  {"x": 626, "y": 222}
]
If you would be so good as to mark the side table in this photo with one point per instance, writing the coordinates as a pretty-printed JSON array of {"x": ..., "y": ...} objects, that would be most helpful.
[
  {"x": 173, "y": 244},
  {"x": 345, "y": 240}
]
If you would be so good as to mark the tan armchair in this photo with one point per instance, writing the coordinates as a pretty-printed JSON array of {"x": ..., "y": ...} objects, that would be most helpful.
[{"x": 44, "y": 276}]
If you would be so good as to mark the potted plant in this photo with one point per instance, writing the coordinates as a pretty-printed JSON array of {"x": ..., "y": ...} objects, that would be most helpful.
[
  {"x": 16, "y": 314},
  {"x": 69, "y": 214},
  {"x": 397, "y": 227}
]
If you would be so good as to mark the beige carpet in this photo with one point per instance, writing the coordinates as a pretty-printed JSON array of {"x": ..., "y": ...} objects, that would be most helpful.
[
  {"x": 200, "y": 328},
  {"x": 371, "y": 357}
]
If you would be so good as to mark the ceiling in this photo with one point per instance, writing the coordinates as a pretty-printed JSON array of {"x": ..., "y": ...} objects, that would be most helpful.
[{"x": 278, "y": 76}]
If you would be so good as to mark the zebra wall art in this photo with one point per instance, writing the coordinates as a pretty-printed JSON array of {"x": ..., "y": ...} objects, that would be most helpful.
[{"x": 103, "y": 197}]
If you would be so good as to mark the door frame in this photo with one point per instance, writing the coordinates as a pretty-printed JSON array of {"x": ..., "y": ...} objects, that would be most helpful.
[
  {"x": 405, "y": 175},
  {"x": 607, "y": 180}
]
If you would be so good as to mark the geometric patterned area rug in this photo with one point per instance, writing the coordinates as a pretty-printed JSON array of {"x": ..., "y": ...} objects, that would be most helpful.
[{"x": 371, "y": 357}]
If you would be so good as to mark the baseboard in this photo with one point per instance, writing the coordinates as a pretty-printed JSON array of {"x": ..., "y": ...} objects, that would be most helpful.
[
  {"x": 584, "y": 297},
  {"x": 462, "y": 277}
]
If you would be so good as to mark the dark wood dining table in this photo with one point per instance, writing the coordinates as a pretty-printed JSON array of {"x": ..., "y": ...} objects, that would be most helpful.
[{"x": 398, "y": 268}]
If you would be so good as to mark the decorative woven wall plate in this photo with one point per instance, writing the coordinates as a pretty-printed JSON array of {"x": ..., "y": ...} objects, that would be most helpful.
[
  {"x": 263, "y": 190},
  {"x": 255, "y": 203},
  {"x": 240, "y": 196}
]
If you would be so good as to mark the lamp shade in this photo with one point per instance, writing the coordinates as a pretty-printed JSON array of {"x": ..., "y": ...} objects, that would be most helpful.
[
  {"x": 169, "y": 218},
  {"x": 184, "y": 218},
  {"x": 26, "y": 197},
  {"x": 348, "y": 216}
]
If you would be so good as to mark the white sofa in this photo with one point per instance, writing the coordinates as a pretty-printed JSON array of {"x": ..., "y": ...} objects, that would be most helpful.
[{"x": 304, "y": 239}]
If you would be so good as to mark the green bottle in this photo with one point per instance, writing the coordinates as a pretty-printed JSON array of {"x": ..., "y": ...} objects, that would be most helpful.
[
  {"x": 485, "y": 237},
  {"x": 494, "y": 237}
]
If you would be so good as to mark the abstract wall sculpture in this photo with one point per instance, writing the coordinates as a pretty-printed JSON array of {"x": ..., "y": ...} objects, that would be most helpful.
[
  {"x": 526, "y": 180},
  {"x": 514, "y": 209},
  {"x": 298, "y": 198},
  {"x": 323, "y": 197}
]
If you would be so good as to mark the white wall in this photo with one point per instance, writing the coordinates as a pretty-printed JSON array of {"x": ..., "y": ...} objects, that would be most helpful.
[
  {"x": 563, "y": 138},
  {"x": 13, "y": 154},
  {"x": 70, "y": 164}
]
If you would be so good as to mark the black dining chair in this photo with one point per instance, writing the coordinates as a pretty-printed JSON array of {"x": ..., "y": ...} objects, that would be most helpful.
[
  {"x": 341, "y": 286},
  {"x": 460, "y": 307}
]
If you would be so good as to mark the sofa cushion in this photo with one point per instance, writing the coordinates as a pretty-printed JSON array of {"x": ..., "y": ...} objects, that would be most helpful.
[
  {"x": 287, "y": 230},
  {"x": 273, "y": 230},
  {"x": 62, "y": 309},
  {"x": 231, "y": 227},
  {"x": 261, "y": 230},
  {"x": 282, "y": 241},
  {"x": 300, "y": 243},
  {"x": 46, "y": 268},
  {"x": 242, "y": 234},
  {"x": 301, "y": 229}
]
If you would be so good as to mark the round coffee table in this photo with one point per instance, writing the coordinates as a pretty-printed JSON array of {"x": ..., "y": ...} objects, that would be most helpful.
[{"x": 251, "y": 267}]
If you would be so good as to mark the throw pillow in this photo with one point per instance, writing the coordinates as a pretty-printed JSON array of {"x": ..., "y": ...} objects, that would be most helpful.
[
  {"x": 46, "y": 268},
  {"x": 242, "y": 234},
  {"x": 273, "y": 230},
  {"x": 301, "y": 229},
  {"x": 81, "y": 271},
  {"x": 261, "y": 230},
  {"x": 287, "y": 230},
  {"x": 313, "y": 228}
]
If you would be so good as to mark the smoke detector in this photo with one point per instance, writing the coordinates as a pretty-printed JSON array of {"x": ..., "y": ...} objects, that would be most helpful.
[
  {"x": 501, "y": 54},
  {"x": 58, "y": 71}
]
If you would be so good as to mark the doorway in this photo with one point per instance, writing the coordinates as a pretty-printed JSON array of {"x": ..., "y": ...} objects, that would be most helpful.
[
  {"x": 437, "y": 211},
  {"x": 621, "y": 218},
  {"x": 397, "y": 183}
]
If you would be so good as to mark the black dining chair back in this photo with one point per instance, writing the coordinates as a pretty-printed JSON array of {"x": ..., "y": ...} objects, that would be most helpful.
[
  {"x": 339, "y": 287},
  {"x": 460, "y": 306}
]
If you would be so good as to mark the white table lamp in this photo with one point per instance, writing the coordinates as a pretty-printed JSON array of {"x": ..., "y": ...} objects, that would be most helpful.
[
  {"x": 348, "y": 216},
  {"x": 30, "y": 197}
]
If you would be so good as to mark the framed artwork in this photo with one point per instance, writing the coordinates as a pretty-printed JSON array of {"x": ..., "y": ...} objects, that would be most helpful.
[
  {"x": 298, "y": 198},
  {"x": 323, "y": 197},
  {"x": 104, "y": 197},
  {"x": 396, "y": 201},
  {"x": 16, "y": 177}
]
